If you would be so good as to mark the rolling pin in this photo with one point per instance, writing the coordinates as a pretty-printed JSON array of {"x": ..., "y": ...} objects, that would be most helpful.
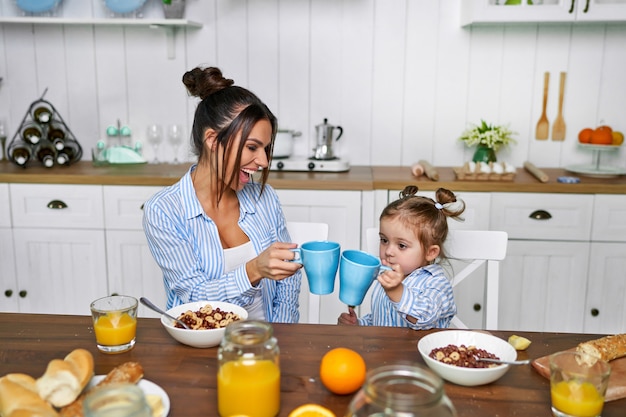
[
  {"x": 536, "y": 172},
  {"x": 429, "y": 170}
]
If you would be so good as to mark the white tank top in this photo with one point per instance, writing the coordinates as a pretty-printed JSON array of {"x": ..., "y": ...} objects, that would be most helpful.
[{"x": 234, "y": 257}]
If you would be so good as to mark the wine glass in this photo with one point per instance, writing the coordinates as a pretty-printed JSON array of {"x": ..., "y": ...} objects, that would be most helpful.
[
  {"x": 155, "y": 136},
  {"x": 175, "y": 138}
]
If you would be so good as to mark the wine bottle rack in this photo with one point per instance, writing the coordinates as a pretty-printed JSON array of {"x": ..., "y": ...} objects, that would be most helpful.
[{"x": 42, "y": 120}]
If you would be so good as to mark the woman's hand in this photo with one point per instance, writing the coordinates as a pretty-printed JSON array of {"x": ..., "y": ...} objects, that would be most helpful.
[
  {"x": 348, "y": 318},
  {"x": 272, "y": 263}
]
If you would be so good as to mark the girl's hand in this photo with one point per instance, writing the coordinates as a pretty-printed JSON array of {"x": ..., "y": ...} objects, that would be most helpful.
[
  {"x": 273, "y": 263},
  {"x": 391, "y": 281},
  {"x": 348, "y": 318}
]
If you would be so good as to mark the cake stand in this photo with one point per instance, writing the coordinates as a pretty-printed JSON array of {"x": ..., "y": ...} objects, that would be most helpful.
[{"x": 596, "y": 169}]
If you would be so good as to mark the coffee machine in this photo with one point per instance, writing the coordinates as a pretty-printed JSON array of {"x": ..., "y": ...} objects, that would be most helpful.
[{"x": 323, "y": 159}]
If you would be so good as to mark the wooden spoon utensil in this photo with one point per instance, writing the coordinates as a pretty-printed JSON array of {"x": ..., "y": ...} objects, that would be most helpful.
[
  {"x": 543, "y": 125},
  {"x": 558, "y": 129}
]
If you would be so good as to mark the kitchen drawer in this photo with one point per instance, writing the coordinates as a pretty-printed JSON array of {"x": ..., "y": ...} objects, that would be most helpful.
[
  {"x": 5, "y": 206},
  {"x": 565, "y": 216},
  {"x": 609, "y": 218},
  {"x": 78, "y": 206},
  {"x": 123, "y": 206}
]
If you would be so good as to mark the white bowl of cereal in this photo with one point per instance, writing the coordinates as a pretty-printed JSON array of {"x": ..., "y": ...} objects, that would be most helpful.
[
  {"x": 200, "y": 315},
  {"x": 462, "y": 347}
]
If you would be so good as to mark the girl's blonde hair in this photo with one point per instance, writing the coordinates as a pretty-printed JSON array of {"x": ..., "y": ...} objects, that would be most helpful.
[{"x": 428, "y": 219}]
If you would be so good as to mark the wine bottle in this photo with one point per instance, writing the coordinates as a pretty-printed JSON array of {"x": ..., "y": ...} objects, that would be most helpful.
[
  {"x": 46, "y": 153},
  {"x": 56, "y": 135},
  {"x": 42, "y": 113},
  {"x": 31, "y": 133},
  {"x": 68, "y": 154},
  {"x": 20, "y": 153}
]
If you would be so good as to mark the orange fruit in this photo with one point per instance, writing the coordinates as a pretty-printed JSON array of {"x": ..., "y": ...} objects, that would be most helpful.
[
  {"x": 584, "y": 136},
  {"x": 342, "y": 371},
  {"x": 602, "y": 135},
  {"x": 618, "y": 138},
  {"x": 311, "y": 410}
]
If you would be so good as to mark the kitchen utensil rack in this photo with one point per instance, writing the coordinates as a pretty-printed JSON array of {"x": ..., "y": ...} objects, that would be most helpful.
[
  {"x": 596, "y": 169},
  {"x": 56, "y": 121}
]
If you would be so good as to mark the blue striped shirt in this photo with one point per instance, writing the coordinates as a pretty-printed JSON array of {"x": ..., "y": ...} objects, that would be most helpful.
[
  {"x": 427, "y": 296},
  {"x": 186, "y": 245}
]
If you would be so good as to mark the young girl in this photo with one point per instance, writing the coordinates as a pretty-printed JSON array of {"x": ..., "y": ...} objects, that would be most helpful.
[{"x": 416, "y": 292}]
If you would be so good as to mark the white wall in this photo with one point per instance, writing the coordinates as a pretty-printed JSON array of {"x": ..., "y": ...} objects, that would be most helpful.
[{"x": 400, "y": 76}]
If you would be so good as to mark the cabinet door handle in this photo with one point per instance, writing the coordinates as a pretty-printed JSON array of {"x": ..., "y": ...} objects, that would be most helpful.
[
  {"x": 595, "y": 312},
  {"x": 8, "y": 293},
  {"x": 540, "y": 215},
  {"x": 57, "y": 205},
  {"x": 477, "y": 307},
  {"x": 586, "y": 7},
  {"x": 23, "y": 294},
  {"x": 571, "y": 7},
  {"x": 141, "y": 208}
]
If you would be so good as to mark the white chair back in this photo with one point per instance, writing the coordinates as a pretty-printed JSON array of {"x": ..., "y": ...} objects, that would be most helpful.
[
  {"x": 300, "y": 233},
  {"x": 480, "y": 246}
]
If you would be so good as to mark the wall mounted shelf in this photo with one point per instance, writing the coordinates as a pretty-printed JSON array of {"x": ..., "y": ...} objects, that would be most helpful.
[{"x": 170, "y": 26}]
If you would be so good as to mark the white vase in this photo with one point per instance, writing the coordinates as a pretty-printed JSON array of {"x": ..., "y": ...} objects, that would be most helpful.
[{"x": 175, "y": 10}]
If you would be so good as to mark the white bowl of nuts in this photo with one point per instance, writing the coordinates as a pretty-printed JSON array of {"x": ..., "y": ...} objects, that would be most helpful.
[
  {"x": 453, "y": 355},
  {"x": 207, "y": 319}
]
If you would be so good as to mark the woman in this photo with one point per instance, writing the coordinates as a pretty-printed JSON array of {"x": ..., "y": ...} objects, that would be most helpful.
[{"x": 216, "y": 234}]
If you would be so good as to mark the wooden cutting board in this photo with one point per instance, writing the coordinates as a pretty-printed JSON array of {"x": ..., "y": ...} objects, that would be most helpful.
[{"x": 617, "y": 381}]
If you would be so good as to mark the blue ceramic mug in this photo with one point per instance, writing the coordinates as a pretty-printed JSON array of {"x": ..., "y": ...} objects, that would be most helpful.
[
  {"x": 357, "y": 272},
  {"x": 320, "y": 259}
]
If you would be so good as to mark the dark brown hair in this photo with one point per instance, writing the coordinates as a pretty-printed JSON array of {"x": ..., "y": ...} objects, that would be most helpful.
[
  {"x": 428, "y": 219},
  {"x": 228, "y": 110}
]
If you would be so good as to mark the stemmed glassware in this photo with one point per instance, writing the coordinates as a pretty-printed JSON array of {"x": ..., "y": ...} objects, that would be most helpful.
[
  {"x": 175, "y": 138},
  {"x": 155, "y": 137}
]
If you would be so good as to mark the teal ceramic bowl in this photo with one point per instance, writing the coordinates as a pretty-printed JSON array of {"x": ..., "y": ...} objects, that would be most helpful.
[
  {"x": 37, "y": 6},
  {"x": 123, "y": 6}
]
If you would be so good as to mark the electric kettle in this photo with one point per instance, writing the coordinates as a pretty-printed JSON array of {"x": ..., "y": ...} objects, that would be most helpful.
[{"x": 324, "y": 133}]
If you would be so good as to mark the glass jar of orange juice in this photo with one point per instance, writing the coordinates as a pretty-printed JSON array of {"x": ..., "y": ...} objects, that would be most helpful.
[{"x": 248, "y": 368}]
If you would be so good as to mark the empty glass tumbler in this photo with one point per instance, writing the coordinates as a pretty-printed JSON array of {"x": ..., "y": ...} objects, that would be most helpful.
[{"x": 407, "y": 390}]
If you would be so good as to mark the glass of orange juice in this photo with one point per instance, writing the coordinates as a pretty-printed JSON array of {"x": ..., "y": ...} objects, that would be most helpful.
[
  {"x": 578, "y": 384},
  {"x": 115, "y": 323}
]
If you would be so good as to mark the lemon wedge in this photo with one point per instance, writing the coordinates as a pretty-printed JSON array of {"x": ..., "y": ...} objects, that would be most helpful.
[{"x": 519, "y": 342}]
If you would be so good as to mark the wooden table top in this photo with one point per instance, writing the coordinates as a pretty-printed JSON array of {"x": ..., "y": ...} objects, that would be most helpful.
[{"x": 29, "y": 341}]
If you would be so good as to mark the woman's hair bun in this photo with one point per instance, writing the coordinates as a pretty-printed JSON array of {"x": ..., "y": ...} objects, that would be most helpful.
[{"x": 202, "y": 82}]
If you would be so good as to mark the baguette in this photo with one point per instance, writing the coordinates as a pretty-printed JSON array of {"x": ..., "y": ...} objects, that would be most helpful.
[
  {"x": 19, "y": 398},
  {"x": 606, "y": 348},
  {"x": 129, "y": 372},
  {"x": 66, "y": 378}
]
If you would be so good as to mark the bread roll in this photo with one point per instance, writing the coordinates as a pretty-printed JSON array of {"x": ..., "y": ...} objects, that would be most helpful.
[
  {"x": 65, "y": 379},
  {"x": 606, "y": 348},
  {"x": 19, "y": 398},
  {"x": 128, "y": 372}
]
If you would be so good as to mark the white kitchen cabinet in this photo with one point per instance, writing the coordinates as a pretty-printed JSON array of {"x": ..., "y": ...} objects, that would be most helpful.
[
  {"x": 542, "y": 286},
  {"x": 8, "y": 280},
  {"x": 605, "y": 306},
  {"x": 131, "y": 267},
  {"x": 58, "y": 239},
  {"x": 605, "y": 309},
  {"x": 544, "y": 275},
  {"x": 542, "y": 11},
  {"x": 341, "y": 210}
]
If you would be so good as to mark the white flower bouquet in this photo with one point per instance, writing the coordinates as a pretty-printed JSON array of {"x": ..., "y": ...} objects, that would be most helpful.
[{"x": 488, "y": 135}]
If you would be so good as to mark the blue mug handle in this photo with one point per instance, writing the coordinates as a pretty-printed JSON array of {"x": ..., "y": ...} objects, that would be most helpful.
[{"x": 298, "y": 258}]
